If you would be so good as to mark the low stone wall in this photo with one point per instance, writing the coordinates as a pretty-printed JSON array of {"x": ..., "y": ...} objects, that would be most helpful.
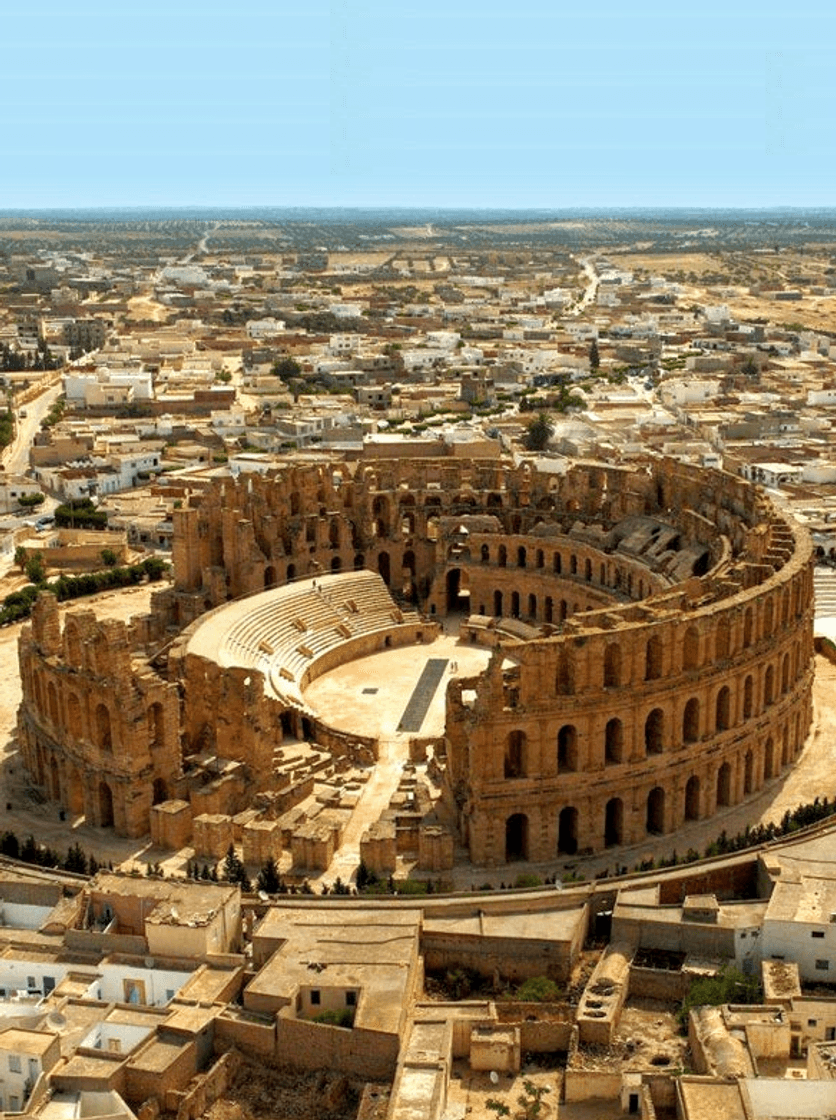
[{"x": 658, "y": 983}]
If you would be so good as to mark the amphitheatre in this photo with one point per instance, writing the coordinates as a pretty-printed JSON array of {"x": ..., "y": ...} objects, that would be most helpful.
[{"x": 422, "y": 661}]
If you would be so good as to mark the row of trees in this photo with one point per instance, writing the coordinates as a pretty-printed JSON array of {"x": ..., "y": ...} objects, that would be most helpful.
[
  {"x": 19, "y": 604},
  {"x": 41, "y": 855}
]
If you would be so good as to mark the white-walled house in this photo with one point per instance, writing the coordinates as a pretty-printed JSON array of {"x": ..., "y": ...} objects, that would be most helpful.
[
  {"x": 24, "y": 1056},
  {"x": 800, "y": 926}
]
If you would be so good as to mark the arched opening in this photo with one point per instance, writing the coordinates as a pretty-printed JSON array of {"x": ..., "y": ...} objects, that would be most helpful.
[
  {"x": 516, "y": 838},
  {"x": 573, "y": 565},
  {"x": 653, "y": 659},
  {"x": 54, "y": 779},
  {"x": 691, "y": 649},
  {"x": 515, "y": 604},
  {"x": 497, "y": 603},
  {"x": 484, "y": 554},
  {"x": 567, "y": 832},
  {"x": 548, "y": 609},
  {"x": 613, "y": 742},
  {"x": 532, "y": 607},
  {"x": 748, "y": 772},
  {"x": 105, "y": 805},
  {"x": 269, "y": 576},
  {"x": 565, "y": 683},
  {"x": 747, "y": 627},
  {"x": 541, "y": 558},
  {"x": 722, "y": 719},
  {"x": 458, "y": 594},
  {"x": 654, "y": 729},
  {"x": 785, "y": 674},
  {"x": 156, "y": 726},
  {"x": 722, "y": 640},
  {"x": 769, "y": 760},
  {"x": 383, "y": 566},
  {"x": 614, "y": 822},
  {"x": 587, "y": 571},
  {"x": 692, "y": 799},
  {"x": 748, "y": 696},
  {"x": 521, "y": 556},
  {"x": 567, "y": 749},
  {"x": 502, "y": 556},
  {"x": 515, "y": 752},
  {"x": 291, "y": 572},
  {"x": 655, "y": 823},
  {"x": 52, "y": 699},
  {"x": 768, "y": 686},
  {"x": 557, "y": 563},
  {"x": 104, "y": 739},
  {"x": 336, "y": 564},
  {"x": 612, "y": 665},
  {"x": 359, "y": 562},
  {"x": 73, "y": 716},
  {"x": 691, "y": 721},
  {"x": 724, "y": 785},
  {"x": 160, "y": 793}
]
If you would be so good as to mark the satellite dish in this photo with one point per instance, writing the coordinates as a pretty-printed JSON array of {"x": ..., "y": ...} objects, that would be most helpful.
[
  {"x": 264, "y": 896},
  {"x": 56, "y": 1020},
  {"x": 494, "y": 1077},
  {"x": 150, "y": 962}
]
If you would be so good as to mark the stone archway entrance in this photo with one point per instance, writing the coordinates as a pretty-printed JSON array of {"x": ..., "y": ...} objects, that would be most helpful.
[{"x": 516, "y": 838}]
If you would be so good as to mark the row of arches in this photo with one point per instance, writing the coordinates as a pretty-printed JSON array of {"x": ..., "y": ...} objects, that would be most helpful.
[
  {"x": 79, "y": 719},
  {"x": 656, "y": 737},
  {"x": 701, "y": 796}
]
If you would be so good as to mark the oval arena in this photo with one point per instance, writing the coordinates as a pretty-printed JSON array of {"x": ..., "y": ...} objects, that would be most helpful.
[{"x": 585, "y": 659}]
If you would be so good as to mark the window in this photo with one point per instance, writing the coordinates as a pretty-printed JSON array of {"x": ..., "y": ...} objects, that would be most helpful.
[
  {"x": 14, "y": 1063},
  {"x": 351, "y": 999},
  {"x": 822, "y": 966},
  {"x": 316, "y": 997},
  {"x": 743, "y": 934},
  {"x": 817, "y": 933},
  {"x": 812, "y": 1022}
]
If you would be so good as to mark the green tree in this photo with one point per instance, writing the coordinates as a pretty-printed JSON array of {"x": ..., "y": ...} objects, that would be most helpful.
[
  {"x": 288, "y": 369},
  {"x": 109, "y": 557},
  {"x": 594, "y": 356},
  {"x": 268, "y": 879},
  {"x": 35, "y": 571},
  {"x": 538, "y": 432}
]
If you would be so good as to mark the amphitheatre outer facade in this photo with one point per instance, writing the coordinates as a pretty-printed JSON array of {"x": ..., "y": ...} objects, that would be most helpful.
[{"x": 651, "y": 630}]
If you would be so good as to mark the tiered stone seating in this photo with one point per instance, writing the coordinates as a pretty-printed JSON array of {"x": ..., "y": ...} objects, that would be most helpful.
[{"x": 283, "y": 632}]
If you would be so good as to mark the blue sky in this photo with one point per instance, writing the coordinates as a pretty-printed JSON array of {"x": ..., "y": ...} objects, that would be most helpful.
[{"x": 449, "y": 104}]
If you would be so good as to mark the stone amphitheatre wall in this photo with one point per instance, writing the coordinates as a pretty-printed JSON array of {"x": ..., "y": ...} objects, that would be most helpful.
[{"x": 660, "y": 669}]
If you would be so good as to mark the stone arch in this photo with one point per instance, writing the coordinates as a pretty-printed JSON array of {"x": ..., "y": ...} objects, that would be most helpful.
[
  {"x": 612, "y": 665},
  {"x": 691, "y": 721},
  {"x": 532, "y": 606},
  {"x": 565, "y": 680},
  {"x": 74, "y": 725},
  {"x": 724, "y": 785},
  {"x": 516, "y": 838},
  {"x": 485, "y": 554},
  {"x": 567, "y": 831},
  {"x": 722, "y": 709},
  {"x": 614, "y": 822},
  {"x": 515, "y": 604},
  {"x": 72, "y": 642},
  {"x": 104, "y": 735},
  {"x": 691, "y": 649},
  {"x": 748, "y": 773},
  {"x": 747, "y": 627},
  {"x": 269, "y": 576},
  {"x": 497, "y": 603},
  {"x": 655, "y": 817},
  {"x": 502, "y": 556},
  {"x": 587, "y": 570},
  {"x": 516, "y": 749},
  {"x": 722, "y": 639},
  {"x": 548, "y": 609},
  {"x": 522, "y": 556},
  {"x": 359, "y": 561},
  {"x": 768, "y": 686},
  {"x": 653, "y": 658},
  {"x": 159, "y": 792},
  {"x": 104, "y": 805},
  {"x": 692, "y": 798},
  {"x": 383, "y": 566},
  {"x": 557, "y": 564},
  {"x": 654, "y": 731},
  {"x": 769, "y": 760},
  {"x": 785, "y": 674},
  {"x": 540, "y": 558},
  {"x": 748, "y": 697},
  {"x": 52, "y": 701},
  {"x": 613, "y": 742},
  {"x": 567, "y": 749}
]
